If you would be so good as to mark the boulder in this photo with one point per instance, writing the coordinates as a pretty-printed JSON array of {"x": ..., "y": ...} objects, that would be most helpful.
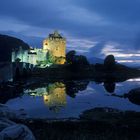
[
  {"x": 13, "y": 131},
  {"x": 9, "y": 130}
]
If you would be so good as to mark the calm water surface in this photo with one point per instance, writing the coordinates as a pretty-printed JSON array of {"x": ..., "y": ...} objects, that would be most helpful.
[{"x": 69, "y": 99}]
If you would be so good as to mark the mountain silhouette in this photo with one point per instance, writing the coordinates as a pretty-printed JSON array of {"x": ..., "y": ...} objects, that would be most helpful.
[{"x": 7, "y": 44}]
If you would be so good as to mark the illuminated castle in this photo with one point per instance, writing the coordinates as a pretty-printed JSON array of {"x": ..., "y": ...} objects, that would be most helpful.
[
  {"x": 55, "y": 44},
  {"x": 53, "y": 52}
]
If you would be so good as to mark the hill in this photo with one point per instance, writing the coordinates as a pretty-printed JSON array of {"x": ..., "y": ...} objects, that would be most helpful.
[{"x": 7, "y": 43}]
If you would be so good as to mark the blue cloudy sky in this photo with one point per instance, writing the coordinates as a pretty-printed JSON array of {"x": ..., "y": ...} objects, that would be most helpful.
[{"x": 93, "y": 27}]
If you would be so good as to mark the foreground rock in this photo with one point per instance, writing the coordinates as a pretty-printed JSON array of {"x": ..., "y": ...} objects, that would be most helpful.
[
  {"x": 112, "y": 116},
  {"x": 12, "y": 131},
  {"x": 97, "y": 123},
  {"x": 9, "y": 130}
]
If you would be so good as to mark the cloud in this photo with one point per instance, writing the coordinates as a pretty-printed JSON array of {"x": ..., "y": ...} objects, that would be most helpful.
[
  {"x": 90, "y": 25},
  {"x": 80, "y": 45},
  {"x": 126, "y": 11}
]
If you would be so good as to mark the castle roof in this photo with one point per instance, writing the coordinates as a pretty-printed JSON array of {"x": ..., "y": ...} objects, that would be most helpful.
[{"x": 55, "y": 35}]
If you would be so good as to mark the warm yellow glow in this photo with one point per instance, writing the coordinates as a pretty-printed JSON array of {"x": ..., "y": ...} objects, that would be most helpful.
[
  {"x": 56, "y": 97},
  {"x": 46, "y": 98},
  {"x": 56, "y": 45}
]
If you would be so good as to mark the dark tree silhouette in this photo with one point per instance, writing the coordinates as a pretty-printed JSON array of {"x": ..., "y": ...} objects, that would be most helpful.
[
  {"x": 109, "y": 63},
  {"x": 74, "y": 59},
  {"x": 109, "y": 87},
  {"x": 81, "y": 60},
  {"x": 73, "y": 87},
  {"x": 70, "y": 56}
]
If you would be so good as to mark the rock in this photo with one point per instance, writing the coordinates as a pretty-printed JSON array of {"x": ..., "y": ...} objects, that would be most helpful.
[
  {"x": 133, "y": 96},
  {"x": 101, "y": 114},
  {"x": 11, "y": 130},
  {"x": 14, "y": 131},
  {"x": 112, "y": 116},
  {"x": 5, "y": 123}
]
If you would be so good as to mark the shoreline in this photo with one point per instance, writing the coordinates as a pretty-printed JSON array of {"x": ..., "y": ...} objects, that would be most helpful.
[{"x": 97, "y": 123}]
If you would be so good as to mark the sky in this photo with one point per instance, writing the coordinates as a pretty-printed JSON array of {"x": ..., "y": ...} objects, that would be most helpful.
[{"x": 95, "y": 28}]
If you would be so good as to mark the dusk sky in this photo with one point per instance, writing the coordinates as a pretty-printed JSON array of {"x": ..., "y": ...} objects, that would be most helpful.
[{"x": 94, "y": 27}]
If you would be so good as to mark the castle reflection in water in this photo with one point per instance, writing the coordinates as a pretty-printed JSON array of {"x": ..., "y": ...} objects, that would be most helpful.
[
  {"x": 54, "y": 95},
  {"x": 67, "y": 99}
]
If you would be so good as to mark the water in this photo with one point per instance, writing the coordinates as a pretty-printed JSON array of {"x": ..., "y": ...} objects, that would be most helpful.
[{"x": 70, "y": 99}]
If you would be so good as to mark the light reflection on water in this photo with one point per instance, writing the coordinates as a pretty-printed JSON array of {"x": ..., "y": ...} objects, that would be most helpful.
[{"x": 63, "y": 100}]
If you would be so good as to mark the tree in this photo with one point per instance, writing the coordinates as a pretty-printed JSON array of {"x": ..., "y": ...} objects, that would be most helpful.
[
  {"x": 76, "y": 62},
  {"x": 109, "y": 63},
  {"x": 70, "y": 56},
  {"x": 82, "y": 60}
]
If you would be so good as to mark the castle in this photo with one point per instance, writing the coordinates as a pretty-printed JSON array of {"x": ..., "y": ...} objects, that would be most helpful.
[{"x": 53, "y": 52}]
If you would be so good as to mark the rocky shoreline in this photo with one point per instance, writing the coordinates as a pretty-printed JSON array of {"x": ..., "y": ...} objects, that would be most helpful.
[
  {"x": 9, "y": 129},
  {"x": 97, "y": 123}
]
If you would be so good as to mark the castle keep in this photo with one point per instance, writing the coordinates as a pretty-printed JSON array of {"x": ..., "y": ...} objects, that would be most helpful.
[{"x": 52, "y": 52}]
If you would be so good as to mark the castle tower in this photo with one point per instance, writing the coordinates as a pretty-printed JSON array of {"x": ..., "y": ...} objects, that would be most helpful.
[{"x": 55, "y": 44}]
